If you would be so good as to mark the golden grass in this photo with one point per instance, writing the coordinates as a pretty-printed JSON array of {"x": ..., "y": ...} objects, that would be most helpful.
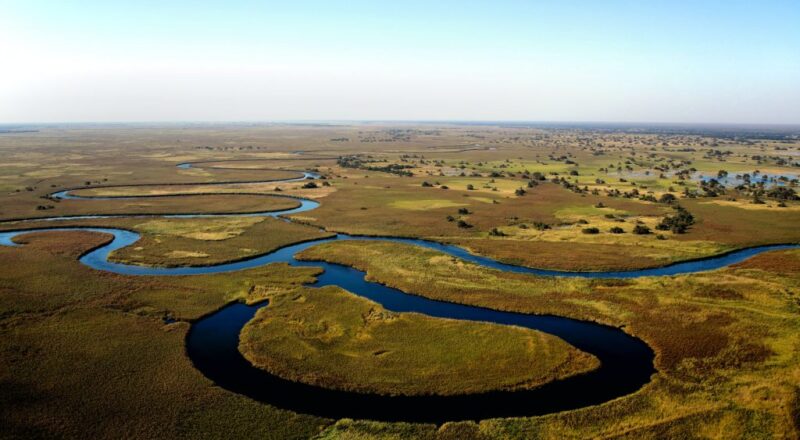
[
  {"x": 86, "y": 353},
  {"x": 331, "y": 338},
  {"x": 724, "y": 340},
  {"x": 206, "y": 229}
]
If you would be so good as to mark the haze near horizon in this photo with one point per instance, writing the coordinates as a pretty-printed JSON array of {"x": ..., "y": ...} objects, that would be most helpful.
[{"x": 682, "y": 62}]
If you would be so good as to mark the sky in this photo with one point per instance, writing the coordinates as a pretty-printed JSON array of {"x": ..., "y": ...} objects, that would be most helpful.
[{"x": 613, "y": 61}]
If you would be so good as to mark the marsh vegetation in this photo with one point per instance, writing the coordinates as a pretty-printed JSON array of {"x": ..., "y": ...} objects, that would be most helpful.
[{"x": 725, "y": 342}]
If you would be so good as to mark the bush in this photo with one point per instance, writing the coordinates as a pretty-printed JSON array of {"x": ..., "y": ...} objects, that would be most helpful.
[
  {"x": 497, "y": 233},
  {"x": 463, "y": 211},
  {"x": 677, "y": 223},
  {"x": 591, "y": 230},
  {"x": 519, "y": 192},
  {"x": 616, "y": 230},
  {"x": 464, "y": 225},
  {"x": 667, "y": 198},
  {"x": 641, "y": 230},
  {"x": 310, "y": 185},
  {"x": 470, "y": 187},
  {"x": 541, "y": 226}
]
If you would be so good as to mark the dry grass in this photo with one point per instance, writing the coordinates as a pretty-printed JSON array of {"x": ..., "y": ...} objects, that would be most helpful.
[{"x": 723, "y": 340}]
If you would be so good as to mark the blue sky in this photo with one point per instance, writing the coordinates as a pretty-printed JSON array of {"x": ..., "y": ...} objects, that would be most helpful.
[{"x": 644, "y": 61}]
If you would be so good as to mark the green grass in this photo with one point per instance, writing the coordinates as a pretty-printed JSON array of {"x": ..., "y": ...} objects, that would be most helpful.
[
  {"x": 86, "y": 354},
  {"x": 331, "y": 338},
  {"x": 725, "y": 341},
  {"x": 181, "y": 242},
  {"x": 170, "y": 242}
]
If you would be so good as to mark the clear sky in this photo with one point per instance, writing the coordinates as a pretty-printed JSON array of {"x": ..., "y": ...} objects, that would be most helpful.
[{"x": 629, "y": 61}]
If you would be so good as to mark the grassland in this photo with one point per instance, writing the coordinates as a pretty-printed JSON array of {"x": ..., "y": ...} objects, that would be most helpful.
[
  {"x": 400, "y": 206},
  {"x": 331, "y": 338},
  {"x": 169, "y": 242},
  {"x": 186, "y": 242},
  {"x": 190, "y": 204},
  {"x": 88, "y": 354},
  {"x": 726, "y": 341}
]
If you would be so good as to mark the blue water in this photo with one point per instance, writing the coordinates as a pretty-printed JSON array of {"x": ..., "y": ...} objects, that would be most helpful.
[
  {"x": 212, "y": 343},
  {"x": 98, "y": 258}
]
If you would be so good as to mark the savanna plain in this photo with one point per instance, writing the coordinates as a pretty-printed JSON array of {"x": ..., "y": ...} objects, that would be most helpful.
[{"x": 88, "y": 353}]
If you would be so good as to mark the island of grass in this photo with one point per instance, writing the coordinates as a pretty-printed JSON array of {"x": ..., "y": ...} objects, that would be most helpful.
[
  {"x": 331, "y": 338},
  {"x": 173, "y": 242},
  {"x": 170, "y": 242}
]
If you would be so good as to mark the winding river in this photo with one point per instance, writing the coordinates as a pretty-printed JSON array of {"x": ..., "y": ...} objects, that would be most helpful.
[{"x": 212, "y": 342}]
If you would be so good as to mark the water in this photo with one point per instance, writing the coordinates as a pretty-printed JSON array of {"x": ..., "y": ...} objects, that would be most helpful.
[
  {"x": 733, "y": 180},
  {"x": 212, "y": 342}
]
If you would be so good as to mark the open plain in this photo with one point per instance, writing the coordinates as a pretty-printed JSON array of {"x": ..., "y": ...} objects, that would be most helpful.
[{"x": 408, "y": 238}]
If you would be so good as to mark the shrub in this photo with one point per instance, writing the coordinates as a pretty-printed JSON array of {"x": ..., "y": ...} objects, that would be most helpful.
[
  {"x": 497, "y": 233},
  {"x": 616, "y": 230},
  {"x": 463, "y": 211},
  {"x": 463, "y": 224},
  {"x": 591, "y": 230},
  {"x": 641, "y": 230},
  {"x": 541, "y": 226},
  {"x": 310, "y": 185},
  {"x": 677, "y": 223},
  {"x": 667, "y": 198}
]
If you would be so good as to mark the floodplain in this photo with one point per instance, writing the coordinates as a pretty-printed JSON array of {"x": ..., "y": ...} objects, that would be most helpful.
[{"x": 95, "y": 353}]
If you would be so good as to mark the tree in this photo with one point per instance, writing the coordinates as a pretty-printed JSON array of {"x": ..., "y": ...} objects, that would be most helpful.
[
  {"x": 783, "y": 193},
  {"x": 667, "y": 198},
  {"x": 464, "y": 225},
  {"x": 677, "y": 223},
  {"x": 641, "y": 230}
]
